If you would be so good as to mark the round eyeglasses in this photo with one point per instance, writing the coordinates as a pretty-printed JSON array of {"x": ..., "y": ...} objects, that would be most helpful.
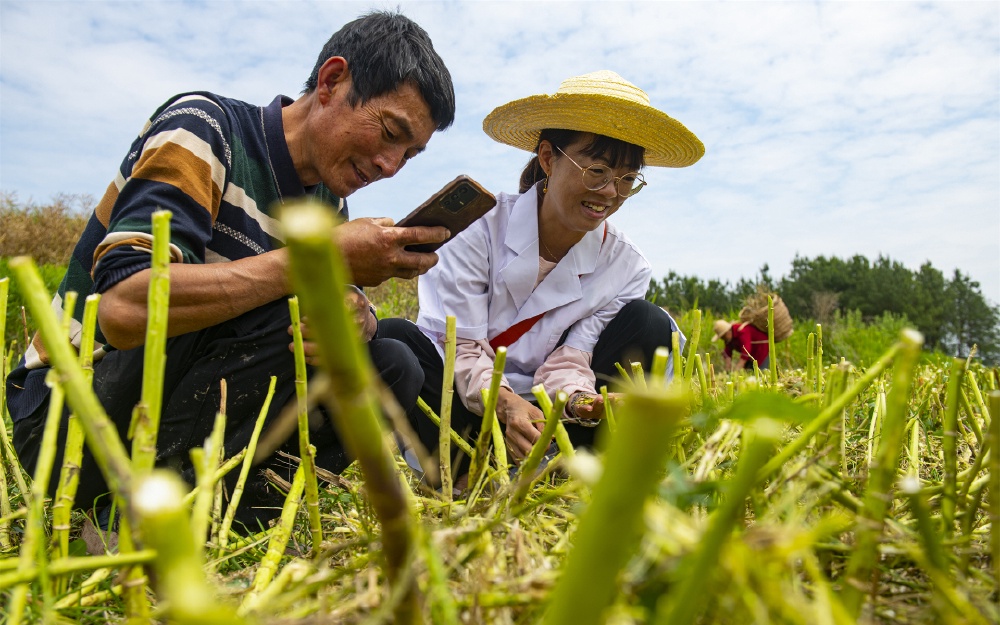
[{"x": 596, "y": 177}]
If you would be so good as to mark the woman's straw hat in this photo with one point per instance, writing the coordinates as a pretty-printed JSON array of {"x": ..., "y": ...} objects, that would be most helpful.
[
  {"x": 720, "y": 327},
  {"x": 603, "y": 103}
]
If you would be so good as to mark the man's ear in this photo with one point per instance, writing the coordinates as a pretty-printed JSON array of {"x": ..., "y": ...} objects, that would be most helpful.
[{"x": 333, "y": 75}]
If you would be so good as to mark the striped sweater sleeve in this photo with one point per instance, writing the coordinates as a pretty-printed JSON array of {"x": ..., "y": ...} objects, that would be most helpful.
[{"x": 180, "y": 162}]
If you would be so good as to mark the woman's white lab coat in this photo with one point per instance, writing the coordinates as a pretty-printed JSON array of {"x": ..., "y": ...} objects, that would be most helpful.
[{"x": 485, "y": 278}]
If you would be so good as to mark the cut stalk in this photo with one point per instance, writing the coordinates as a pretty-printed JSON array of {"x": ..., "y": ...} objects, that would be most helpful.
[
  {"x": 480, "y": 456},
  {"x": 186, "y": 595},
  {"x": 447, "y": 394},
  {"x": 5, "y": 510},
  {"x": 69, "y": 476},
  {"x": 819, "y": 358},
  {"x": 829, "y": 413},
  {"x": 206, "y": 460},
  {"x": 675, "y": 351},
  {"x": 562, "y": 436},
  {"x": 772, "y": 359},
  {"x": 529, "y": 467},
  {"x": 500, "y": 454},
  {"x": 279, "y": 541},
  {"x": 612, "y": 525},
  {"x": 319, "y": 277},
  {"x": 455, "y": 438},
  {"x": 609, "y": 411},
  {"x": 146, "y": 417},
  {"x": 861, "y": 574},
  {"x": 692, "y": 346},
  {"x": 682, "y": 605},
  {"x": 949, "y": 447},
  {"x": 994, "y": 488},
  {"x": 234, "y": 501},
  {"x": 109, "y": 453},
  {"x": 307, "y": 453}
]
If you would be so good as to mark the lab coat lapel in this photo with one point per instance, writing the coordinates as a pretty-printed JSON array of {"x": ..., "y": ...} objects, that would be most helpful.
[
  {"x": 521, "y": 239},
  {"x": 562, "y": 285}
]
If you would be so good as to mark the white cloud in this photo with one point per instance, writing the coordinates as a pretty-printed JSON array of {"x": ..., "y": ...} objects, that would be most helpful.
[{"x": 833, "y": 128}]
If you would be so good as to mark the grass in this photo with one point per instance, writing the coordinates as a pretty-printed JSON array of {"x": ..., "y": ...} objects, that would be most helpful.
[{"x": 760, "y": 503}]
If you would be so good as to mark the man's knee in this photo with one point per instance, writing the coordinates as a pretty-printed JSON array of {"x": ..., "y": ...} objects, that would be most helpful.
[{"x": 399, "y": 369}]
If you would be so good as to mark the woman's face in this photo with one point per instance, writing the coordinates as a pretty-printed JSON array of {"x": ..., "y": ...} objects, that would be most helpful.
[{"x": 567, "y": 200}]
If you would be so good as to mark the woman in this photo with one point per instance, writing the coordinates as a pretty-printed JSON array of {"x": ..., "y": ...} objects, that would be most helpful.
[{"x": 544, "y": 273}]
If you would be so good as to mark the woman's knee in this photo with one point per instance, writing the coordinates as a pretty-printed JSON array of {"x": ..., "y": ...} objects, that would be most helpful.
[{"x": 399, "y": 369}]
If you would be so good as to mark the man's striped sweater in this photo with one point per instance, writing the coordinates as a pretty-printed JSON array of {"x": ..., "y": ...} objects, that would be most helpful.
[{"x": 220, "y": 166}]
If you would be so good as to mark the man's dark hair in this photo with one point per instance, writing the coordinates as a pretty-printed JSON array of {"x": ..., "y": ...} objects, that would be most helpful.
[{"x": 384, "y": 50}]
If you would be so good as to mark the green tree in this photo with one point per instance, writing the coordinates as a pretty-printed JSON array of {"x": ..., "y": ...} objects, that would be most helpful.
[{"x": 970, "y": 320}]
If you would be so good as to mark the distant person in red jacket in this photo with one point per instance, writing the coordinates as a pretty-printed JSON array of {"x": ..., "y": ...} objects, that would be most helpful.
[{"x": 745, "y": 341}]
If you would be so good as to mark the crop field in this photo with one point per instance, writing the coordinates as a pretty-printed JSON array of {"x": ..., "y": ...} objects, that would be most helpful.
[{"x": 820, "y": 491}]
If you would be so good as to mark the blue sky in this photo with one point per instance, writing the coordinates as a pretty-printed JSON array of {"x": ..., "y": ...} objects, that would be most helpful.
[{"x": 833, "y": 128}]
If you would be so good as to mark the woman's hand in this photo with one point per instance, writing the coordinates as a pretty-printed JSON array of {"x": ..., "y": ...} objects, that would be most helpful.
[
  {"x": 524, "y": 422},
  {"x": 590, "y": 406}
]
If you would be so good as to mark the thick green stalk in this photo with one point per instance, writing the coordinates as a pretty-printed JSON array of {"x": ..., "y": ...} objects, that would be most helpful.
[
  {"x": 861, "y": 573},
  {"x": 455, "y": 438},
  {"x": 562, "y": 436},
  {"x": 994, "y": 488},
  {"x": 609, "y": 410},
  {"x": 279, "y": 541},
  {"x": 447, "y": 394},
  {"x": 684, "y": 602},
  {"x": 4, "y": 498},
  {"x": 206, "y": 460},
  {"x": 69, "y": 476},
  {"x": 829, "y": 413},
  {"x": 146, "y": 417},
  {"x": 320, "y": 278},
  {"x": 307, "y": 453},
  {"x": 692, "y": 346},
  {"x": 675, "y": 351},
  {"x": 702, "y": 379},
  {"x": 526, "y": 474},
  {"x": 772, "y": 356},
  {"x": 810, "y": 362},
  {"x": 949, "y": 446},
  {"x": 500, "y": 454},
  {"x": 819, "y": 358},
  {"x": 611, "y": 527},
  {"x": 234, "y": 501},
  {"x": 481, "y": 457},
  {"x": 185, "y": 595},
  {"x": 109, "y": 453}
]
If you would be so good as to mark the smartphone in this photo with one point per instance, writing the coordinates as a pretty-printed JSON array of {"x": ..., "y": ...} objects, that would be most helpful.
[{"x": 456, "y": 206}]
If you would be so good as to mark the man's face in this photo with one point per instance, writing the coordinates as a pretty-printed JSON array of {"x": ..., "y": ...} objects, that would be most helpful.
[{"x": 352, "y": 147}]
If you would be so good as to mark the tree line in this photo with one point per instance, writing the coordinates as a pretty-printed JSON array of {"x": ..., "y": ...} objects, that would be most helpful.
[{"x": 951, "y": 312}]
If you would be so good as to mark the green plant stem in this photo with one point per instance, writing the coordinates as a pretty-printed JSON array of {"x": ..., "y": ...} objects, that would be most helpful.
[
  {"x": 205, "y": 461},
  {"x": 102, "y": 437},
  {"x": 773, "y": 357},
  {"x": 279, "y": 541},
  {"x": 447, "y": 395},
  {"x": 831, "y": 412},
  {"x": 185, "y": 594},
  {"x": 307, "y": 453},
  {"x": 69, "y": 476},
  {"x": 455, "y": 438},
  {"x": 320, "y": 277},
  {"x": 692, "y": 345},
  {"x": 480, "y": 457},
  {"x": 562, "y": 436},
  {"x": 146, "y": 417},
  {"x": 949, "y": 446},
  {"x": 609, "y": 411},
  {"x": 610, "y": 528},
  {"x": 234, "y": 500},
  {"x": 819, "y": 358},
  {"x": 526, "y": 473},
  {"x": 675, "y": 351},
  {"x": 861, "y": 572},
  {"x": 682, "y": 605},
  {"x": 994, "y": 488}
]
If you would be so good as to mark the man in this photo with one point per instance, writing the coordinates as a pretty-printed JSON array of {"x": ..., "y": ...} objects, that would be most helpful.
[
  {"x": 377, "y": 93},
  {"x": 745, "y": 340}
]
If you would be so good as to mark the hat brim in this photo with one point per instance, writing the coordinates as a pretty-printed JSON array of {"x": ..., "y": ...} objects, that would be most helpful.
[{"x": 667, "y": 142}]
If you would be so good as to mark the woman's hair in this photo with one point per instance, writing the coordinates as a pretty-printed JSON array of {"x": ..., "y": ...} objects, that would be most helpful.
[{"x": 618, "y": 153}]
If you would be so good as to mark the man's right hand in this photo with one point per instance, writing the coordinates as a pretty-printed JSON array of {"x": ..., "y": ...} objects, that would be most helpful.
[{"x": 373, "y": 249}]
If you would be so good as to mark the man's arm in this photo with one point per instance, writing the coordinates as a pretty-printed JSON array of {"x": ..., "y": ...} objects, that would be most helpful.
[{"x": 200, "y": 296}]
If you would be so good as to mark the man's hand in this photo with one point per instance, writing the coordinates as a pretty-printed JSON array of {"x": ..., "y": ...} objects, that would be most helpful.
[
  {"x": 356, "y": 303},
  {"x": 374, "y": 252},
  {"x": 591, "y": 405},
  {"x": 524, "y": 422}
]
